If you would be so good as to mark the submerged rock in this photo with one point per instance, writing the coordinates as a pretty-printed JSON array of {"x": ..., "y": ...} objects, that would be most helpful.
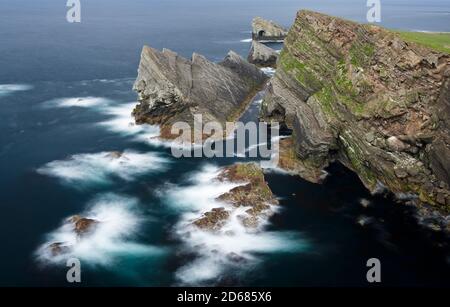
[
  {"x": 58, "y": 249},
  {"x": 363, "y": 96},
  {"x": 115, "y": 155},
  {"x": 172, "y": 88},
  {"x": 262, "y": 55},
  {"x": 267, "y": 30}
]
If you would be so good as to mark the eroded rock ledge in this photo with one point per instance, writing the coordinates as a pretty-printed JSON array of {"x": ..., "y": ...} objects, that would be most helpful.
[
  {"x": 172, "y": 88},
  {"x": 361, "y": 95}
]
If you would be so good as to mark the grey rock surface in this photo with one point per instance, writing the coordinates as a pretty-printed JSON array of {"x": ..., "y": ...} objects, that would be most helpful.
[
  {"x": 172, "y": 88},
  {"x": 267, "y": 30},
  {"x": 262, "y": 55}
]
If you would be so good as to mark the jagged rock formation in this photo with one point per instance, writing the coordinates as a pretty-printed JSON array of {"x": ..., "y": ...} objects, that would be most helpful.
[
  {"x": 262, "y": 56},
  {"x": 361, "y": 95},
  {"x": 253, "y": 194},
  {"x": 172, "y": 88},
  {"x": 267, "y": 30}
]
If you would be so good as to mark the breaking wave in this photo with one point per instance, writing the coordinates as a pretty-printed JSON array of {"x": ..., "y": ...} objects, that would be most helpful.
[
  {"x": 81, "y": 102},
  {"x": 7, "y": 89},
  {"x": 246, "y": 40},
  {"x": 101, "y": 168},
  {"x": 112, "y": 239},
  {"x": 234, "y": 245},
  {"x": 269, "y": 71},
  {"x": 122, "y": 122}
]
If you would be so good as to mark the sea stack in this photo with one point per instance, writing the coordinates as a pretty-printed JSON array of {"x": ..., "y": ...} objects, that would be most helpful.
[
  {"x": 267, "y": 31},
  {"x": 362, "y": 95},
  {"x": 172, "y": 88},
  {"x": 262, "y": 56}
]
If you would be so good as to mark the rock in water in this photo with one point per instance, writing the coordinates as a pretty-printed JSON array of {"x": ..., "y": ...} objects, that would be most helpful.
[
  {"x": 254, "y": 195},
  {"x": 83, "y": 226},
  {"x": 58, "y": 249},
  {"x": 267, "y": 30},
  {"x": 172, "y": 88},
  {"x": 262, "y": 55},
  {"x": 362, "y": 95},
  {"x": 213, "y": 219}
]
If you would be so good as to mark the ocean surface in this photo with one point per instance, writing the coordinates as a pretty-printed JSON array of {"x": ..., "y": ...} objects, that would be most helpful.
[{"x": 65, "y": 103}]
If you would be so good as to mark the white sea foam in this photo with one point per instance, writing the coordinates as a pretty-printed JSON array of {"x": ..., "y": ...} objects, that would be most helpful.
[
  {"x": 113, "y": 237},
  {"x": 247, "y": 40},
  {"x": 122, "y": 122},
  {"x": 269, "y": 71},
  {"x": 82, "y": 102},
  {"x": 234, "y": 244},
  {"x": 7, "y": 89},
  {"x": 101, "y": 168}
]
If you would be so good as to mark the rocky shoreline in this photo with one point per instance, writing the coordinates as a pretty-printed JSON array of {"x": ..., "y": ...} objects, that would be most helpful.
[{"x": 352, "y": 93}]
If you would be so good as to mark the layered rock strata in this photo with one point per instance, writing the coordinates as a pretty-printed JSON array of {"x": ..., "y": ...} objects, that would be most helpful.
[
  {"x": 361, "y": 95},
  {"x": 173, "y": 89},
  {"x": 262, "y": 56}
]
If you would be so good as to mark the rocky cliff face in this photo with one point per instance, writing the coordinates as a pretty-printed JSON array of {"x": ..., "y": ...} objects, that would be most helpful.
[
  {"x": 172, "y": 88},
  {"x": 361, "y": 95}
]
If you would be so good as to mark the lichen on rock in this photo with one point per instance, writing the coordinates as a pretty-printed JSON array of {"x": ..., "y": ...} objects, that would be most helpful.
[{"x": 361, "y": 95}]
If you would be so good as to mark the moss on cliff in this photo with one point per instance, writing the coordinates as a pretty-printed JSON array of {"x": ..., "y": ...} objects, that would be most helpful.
[{"x": 304, "y": 75}]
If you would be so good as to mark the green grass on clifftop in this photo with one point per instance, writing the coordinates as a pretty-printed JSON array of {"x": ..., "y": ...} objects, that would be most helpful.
[{"x": 437, "y": 41}]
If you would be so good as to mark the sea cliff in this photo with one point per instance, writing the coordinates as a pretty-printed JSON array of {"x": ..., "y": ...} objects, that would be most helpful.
[{"x": 364, "y": 96}]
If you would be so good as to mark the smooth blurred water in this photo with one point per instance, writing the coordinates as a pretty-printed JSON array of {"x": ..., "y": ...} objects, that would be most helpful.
[{"x": 44, "y": 60}]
